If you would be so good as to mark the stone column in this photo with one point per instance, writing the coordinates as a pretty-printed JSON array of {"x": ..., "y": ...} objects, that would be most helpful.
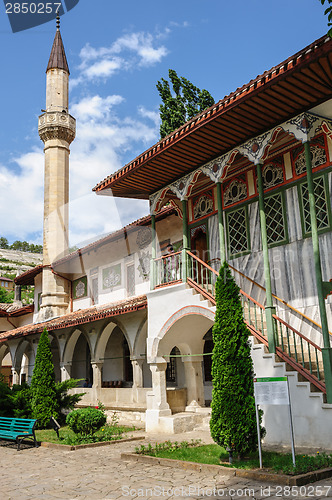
[
  {"x": 97, "y": 374},
  {"x": 194, "y": 382},
  {"x": 65, "y": 370},
  {"x": 157, "y": 405},
  {"x": 15, "y": 376},
  {"x": 137, "y": 371}
]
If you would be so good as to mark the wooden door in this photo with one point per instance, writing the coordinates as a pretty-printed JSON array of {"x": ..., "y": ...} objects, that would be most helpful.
[{"x": 200, "y": 249}]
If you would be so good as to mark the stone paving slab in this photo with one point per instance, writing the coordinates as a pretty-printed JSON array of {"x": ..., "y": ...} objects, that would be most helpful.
[{"x": 100, "y": 474}]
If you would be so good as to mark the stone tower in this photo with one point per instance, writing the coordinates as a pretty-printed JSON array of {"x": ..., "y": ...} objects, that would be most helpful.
[{"x": 57, "y": 130}]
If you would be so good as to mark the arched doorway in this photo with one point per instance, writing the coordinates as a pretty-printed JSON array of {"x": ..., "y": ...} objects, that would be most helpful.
[
  {"x": 207, "y": 366},
  {"x": 117, "y": 367},
  {"x": 81, "y": 363},
  {"x": 56, "y": 358},
  {"x": 6, "y": 365},
  {"x": 199, "y": 245}
]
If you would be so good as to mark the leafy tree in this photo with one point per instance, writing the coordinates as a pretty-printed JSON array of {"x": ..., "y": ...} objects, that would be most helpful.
[
  {"x": 44, "y": 398},
  {"x": 233, "y": 419},
  {"x": 3, "y": 242},
  {"x": 6, "y": 297},
  {"x": 180, "y": 104},
  {"x": 6, "y": 405},
  {"x": 328, "y": 13}
]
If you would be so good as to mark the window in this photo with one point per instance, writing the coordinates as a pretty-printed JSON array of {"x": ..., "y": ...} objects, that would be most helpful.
[
  {"x": 323, "y": 210},
  {"x": 238, "y": 231},
  {"x": 171, "y": 366},
  {"x": 275, "y": 219}
]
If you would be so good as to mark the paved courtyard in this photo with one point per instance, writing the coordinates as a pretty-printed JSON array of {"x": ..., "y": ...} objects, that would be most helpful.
[{"x": 100, "y": 473}]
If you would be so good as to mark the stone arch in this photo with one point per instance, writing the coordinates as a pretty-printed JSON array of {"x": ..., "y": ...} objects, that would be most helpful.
[
  {"x": 24, "y": 348},
  {"x": 139, "y": 347},
  {"x": 139, "y": 354},
  {"x": 71, "y": 343},
  {"x": 78, "y": 353},
  {"x": 55, "y": 348},
  {"x": 185, "y": 329},
  {"x": 113, "y": 355},
  {"x": 5, "y": 369},
  {"x": 4, "y": 350},
  {"x": 196, "y": 318}
]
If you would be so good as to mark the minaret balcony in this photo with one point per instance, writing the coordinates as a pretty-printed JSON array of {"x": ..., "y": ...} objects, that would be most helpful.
[{"x": 56, "y": 125}]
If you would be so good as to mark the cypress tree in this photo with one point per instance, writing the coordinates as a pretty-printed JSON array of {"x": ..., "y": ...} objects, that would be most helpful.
[
  {"x": 233, "y": 419},
  {"x": 44, "y": 400}
]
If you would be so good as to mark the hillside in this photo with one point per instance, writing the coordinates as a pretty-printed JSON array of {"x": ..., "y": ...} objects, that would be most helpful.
[{"x": 14, "y": 262}]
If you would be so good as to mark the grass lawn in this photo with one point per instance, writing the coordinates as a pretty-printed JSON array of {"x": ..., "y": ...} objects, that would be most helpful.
[
  {"x": 275, "y": 462},
  {"x": 67, "y": 436}
]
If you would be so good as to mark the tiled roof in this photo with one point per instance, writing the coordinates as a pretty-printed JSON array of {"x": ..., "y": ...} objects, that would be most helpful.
[
  {"x": 299, "y": 83},
  {"x": 15, "y": 309},
  {"x": 28, "y": 277},
  {"x": 80, "y": 317},
  {"x": 5, "y": 279}
]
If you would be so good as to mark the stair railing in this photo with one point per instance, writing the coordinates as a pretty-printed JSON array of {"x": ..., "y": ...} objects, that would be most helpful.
[
  {"x": 168, "y": 269},
  {"x": 298, "y": 351},
  {"x": 278, "y": 299}
]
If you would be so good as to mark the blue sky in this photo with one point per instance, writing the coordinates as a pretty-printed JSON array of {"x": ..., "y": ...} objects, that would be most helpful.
[{"x": 116, "y": 52}]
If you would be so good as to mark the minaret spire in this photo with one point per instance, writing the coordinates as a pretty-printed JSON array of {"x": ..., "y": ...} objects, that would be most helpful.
[
  {"x": 58, "y": 59},
  {"x": 57, "y": 130}
]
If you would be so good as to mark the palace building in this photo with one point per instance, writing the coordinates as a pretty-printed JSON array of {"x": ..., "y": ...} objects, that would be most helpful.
[{"x": 248, "y": 181}]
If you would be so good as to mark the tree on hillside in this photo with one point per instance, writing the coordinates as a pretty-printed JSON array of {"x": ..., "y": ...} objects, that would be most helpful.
[
  {"x": 180, "y": 104},
  {"x": 44, "y": 397},
  {"x": 233, "y": 419},
  {"x": 22, "y": 246},
  {"x": 3, "y": 242},
  {"x": 328, "y": 13}
]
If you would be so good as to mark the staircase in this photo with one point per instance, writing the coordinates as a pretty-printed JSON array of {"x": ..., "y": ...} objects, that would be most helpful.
[
  {"x": 296, "y": 357},
  {"x": 298, "y": 352}
]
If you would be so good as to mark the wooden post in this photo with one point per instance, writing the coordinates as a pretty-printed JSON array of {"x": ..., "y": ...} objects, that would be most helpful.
[
  {"x": 269, "y": 309},
  {"x": 326, "y": 350}
]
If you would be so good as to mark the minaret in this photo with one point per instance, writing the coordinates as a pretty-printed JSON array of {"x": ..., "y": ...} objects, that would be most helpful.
[{"x": 57, "y": 130}]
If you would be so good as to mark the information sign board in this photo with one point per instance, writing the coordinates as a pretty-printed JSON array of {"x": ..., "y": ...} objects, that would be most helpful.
[{"x": 271, "y": 391}]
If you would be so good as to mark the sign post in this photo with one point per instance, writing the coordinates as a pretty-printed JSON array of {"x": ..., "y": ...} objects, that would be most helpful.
[{"x": 272, "y": 391}]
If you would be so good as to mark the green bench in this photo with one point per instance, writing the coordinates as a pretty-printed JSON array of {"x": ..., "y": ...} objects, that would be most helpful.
[{"x": 18, "y": 429}]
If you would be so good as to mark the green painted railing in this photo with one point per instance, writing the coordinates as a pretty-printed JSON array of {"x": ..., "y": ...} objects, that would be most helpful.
[{"x": 298, "y": 351}]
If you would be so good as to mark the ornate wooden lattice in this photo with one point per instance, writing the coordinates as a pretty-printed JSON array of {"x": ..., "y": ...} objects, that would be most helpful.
[
  {"x": 275, "y": 219},
  {"x": 238, "y": 240},
  {"x": 322, "y": 211}
]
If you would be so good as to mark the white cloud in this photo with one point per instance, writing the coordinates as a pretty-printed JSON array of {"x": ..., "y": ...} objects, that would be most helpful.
[
  {"x": 94, "y": 107},
  {"x": 127, "y": 52},
  {"x": 98, "y": 150},
  {"x": 21, "y": 201}
]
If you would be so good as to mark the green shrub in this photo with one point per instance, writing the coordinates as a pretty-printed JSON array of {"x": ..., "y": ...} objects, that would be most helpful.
[
  {"x": 65, "y": 401},
  {"x": 86, "y": 421},
  {"x": 233, "y": 418},
  {"x": 21, "y": 396},
  {"x": 43, "y": 400},
  {"x": 6, "y": 404}
]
